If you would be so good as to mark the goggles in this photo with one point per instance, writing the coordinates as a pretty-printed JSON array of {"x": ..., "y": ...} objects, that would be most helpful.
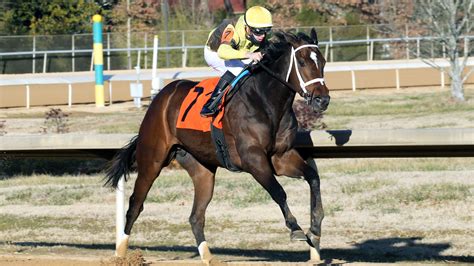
[{"x": 260, "y": 31}]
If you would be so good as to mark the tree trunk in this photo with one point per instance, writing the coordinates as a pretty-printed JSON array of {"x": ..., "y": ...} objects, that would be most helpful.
[
  {"x": 456, "y": 69},
  {"x": 457, "y": 90}
]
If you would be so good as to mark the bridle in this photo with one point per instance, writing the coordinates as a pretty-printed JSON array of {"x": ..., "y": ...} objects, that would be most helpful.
[
  {"x": 303, "y": 84},
  {"x": 306, "y": 95}
]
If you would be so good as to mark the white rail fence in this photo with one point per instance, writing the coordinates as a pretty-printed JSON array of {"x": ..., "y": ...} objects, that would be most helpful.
[{"x": 198, "y": 73}]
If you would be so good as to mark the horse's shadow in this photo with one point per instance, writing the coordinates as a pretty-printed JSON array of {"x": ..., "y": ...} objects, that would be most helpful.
[{"x": 376, "y": 250}]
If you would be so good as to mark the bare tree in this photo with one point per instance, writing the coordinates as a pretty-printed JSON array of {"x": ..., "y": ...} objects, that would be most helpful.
[{"x": 449, "y": 20}]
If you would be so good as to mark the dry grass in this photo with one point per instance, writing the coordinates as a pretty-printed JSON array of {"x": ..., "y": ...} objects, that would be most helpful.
[{"x": 416, "y": 215}]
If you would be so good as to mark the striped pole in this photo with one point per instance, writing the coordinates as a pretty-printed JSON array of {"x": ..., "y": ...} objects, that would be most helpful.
[{"x": 98, "y": 61}]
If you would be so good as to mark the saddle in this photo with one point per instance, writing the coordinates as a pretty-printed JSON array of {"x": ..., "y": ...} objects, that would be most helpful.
[{"x": 189, "y": 114}]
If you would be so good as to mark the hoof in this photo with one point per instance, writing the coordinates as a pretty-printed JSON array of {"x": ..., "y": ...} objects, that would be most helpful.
[
  {"x": 122, "y": 247},
  {"x": 314, "y": 251},
  {"x": 298, "y": 235},
  {"x": 205, "y": 253},
  {"x": 313, "y": 240},
  {"x": 314, "y": 255}
]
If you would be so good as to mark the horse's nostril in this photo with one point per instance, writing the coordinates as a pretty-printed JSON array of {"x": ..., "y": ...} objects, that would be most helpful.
[{"x": 327, "y": 99}]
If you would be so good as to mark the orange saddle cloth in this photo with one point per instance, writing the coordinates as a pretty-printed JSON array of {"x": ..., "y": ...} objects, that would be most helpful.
[{"x": 189, "y": 112}]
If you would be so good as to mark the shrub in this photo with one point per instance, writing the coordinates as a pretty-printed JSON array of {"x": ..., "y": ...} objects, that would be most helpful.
[
  {"x": 55, "y": 121},
  {"x": 307, "y": 118}
]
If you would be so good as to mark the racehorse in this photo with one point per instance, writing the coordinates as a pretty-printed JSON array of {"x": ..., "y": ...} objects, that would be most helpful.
[{"x": 259, "y": 126}]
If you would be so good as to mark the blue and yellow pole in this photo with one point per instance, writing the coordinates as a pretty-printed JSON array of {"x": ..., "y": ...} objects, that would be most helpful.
[{"x": 98, "y": 61}]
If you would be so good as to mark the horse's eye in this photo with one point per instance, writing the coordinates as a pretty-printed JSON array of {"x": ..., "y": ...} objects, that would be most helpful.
[{"x": 301, "y": 63}]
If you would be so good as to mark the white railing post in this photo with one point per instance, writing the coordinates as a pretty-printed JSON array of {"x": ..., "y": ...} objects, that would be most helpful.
[
  {"x": 119, "y": 212},
  {"x": 183, "y": 50},
  {"x": 442, "y": 78},
  {"x": 27, "y": 96},
  {"x": 45, "y": 59},
  {"x": 73, "y": 59},
  {"x": 326, "y": 50},
  {"x": 397, "y": 76},
  {"x": 353, "y": 80},
  {"x": 108, "y": 50},
  {"x": 330, "y": 45},
  {"x": 92, "y": 61},
  {"x": 146, "y": 51},
  {"x": 369, "y": 49},
  {"x": 418, "y": 47},
  {"x": 34, "y": 55},
  {"x": 110, "y": 92},
  {"x": 69, "y": 94},
  {"x": 129, "y": 55}
]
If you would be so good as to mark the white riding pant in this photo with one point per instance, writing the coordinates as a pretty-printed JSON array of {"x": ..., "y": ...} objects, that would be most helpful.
[{"x": 233, "y": 65}]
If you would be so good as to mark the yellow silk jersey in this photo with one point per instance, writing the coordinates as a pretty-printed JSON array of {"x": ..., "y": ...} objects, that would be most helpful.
[{"x": 229, "y": 40}]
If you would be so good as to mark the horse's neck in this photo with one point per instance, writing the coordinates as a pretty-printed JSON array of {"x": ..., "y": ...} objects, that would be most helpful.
[
  {"x": 281, "y": 96},
  {"x": 274, "y": 95}
]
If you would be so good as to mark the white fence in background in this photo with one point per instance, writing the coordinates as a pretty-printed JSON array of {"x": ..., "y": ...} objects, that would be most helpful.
[{"x": 199, "y": 73}]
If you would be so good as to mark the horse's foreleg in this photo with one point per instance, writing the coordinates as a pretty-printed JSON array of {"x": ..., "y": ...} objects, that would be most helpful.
[
  {"x": 203, "y": 180},
  {"x": 291, "y": 164},
  {"x": 258, "y": 165},
  {"x": 317, "y": 212}
]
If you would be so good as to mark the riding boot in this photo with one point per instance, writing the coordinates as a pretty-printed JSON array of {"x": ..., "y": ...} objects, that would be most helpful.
[{"x": 210, "y": 108}]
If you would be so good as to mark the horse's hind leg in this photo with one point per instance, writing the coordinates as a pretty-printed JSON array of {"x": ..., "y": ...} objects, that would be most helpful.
[
  {"x": 203, "y": 180},
  {"x": 149, "y": 165}
]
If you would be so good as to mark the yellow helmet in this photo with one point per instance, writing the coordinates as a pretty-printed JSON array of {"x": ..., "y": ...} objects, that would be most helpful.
[{"x": 258, "y": 17}]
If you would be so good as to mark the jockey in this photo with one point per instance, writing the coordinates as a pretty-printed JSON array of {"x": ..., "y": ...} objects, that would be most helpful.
[{"x": 232, "y": 45}]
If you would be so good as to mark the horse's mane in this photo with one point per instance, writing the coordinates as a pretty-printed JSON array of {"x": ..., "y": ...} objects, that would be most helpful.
[{"x": 281, "y": 42}]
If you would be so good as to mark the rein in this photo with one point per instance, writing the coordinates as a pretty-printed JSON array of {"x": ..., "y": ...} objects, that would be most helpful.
[{"x": 274, "y": 75}]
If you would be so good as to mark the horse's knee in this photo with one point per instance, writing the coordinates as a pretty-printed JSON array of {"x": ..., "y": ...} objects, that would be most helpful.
[{"x": 194, "y": 220}]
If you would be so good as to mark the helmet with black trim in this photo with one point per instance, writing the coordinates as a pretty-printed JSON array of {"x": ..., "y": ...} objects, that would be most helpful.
[{"x": 259, "y": 21}]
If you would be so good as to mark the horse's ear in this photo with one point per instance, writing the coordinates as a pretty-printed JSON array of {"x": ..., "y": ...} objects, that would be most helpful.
[{"x": 314, "y": 36}]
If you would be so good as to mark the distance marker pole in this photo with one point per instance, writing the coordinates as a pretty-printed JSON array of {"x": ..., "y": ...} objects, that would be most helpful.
[{"x": 98, "y": 61}]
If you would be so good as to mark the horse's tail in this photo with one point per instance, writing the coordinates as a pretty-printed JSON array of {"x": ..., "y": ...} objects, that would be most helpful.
[{"x": 121, "y": 164}]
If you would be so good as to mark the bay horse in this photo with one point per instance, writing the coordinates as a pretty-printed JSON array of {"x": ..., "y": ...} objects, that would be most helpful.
[{"x": 259, "y": 126}]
